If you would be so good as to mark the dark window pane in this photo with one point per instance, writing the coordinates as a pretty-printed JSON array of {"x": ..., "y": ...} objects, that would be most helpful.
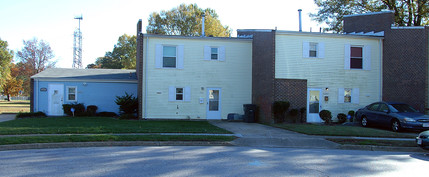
[
  {"x": 72, "y": 97},
  {"x": 214, "y": 57},
  {"x": 169, "y": 62},
  {"x": 179, "y": 96},
  {"x": 313, "y": 53},
  {"x": 356, "y": 63},
  {"x": 356, "y": 52},
  {"x": 314, "y": 108}
]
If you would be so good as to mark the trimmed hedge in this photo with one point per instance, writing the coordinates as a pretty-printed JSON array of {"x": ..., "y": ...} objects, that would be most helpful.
[
  {"x": 79, "y": 109},
  {"x": 30, "y": 114}
]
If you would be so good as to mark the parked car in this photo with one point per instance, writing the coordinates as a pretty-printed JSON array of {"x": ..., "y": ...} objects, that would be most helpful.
[
  {"x": 423, "y": 140},
  {"x": 396, "y": 115}
]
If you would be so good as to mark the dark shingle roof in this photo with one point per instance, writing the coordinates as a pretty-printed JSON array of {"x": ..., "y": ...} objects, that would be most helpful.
[{"x": 87, "y": 74}]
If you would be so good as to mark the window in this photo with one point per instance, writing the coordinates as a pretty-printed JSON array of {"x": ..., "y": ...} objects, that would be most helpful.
[
  {"x": 347, "y": 95},
  {"x": 214, "y": 53},
  {"x": 313, "y": 49},
  {"x": 169, "y": 57},
  {"x": 71, "y": 93},
  {"x": 384, "y": 108},
  {"x": 179, "y": 94},
  {"x": 356, "y": 59},
  {"x": 374, "y": 107}
]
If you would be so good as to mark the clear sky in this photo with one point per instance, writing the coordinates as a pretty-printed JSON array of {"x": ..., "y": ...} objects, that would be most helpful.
[{"x": 105, "y": 20}]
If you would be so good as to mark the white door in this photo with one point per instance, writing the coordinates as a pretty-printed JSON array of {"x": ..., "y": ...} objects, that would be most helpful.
[
  {"x": 213, "y": 103},
  {"x": 55, "y": 99},
  {"x": 314, "y": 105}
]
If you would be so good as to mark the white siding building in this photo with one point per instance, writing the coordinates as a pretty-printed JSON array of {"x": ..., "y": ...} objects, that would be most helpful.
[{"x": 194, "y": 77}]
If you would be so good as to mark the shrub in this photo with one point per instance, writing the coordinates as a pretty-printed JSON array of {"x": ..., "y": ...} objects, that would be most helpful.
[
  {"x": 127, "y": 116},
  {"x": 293, "y": 114},
  {"x": 302, "y": 111},
  {"x": 351, "y": 113},
  {"x": 91, "y": 110},
  {"x": 326, "y": 116},
  {"x": 279, "y": 109},
  {"x": 106, "y": 114},
  {"x": 128, "y": 104},
  {"x": 341, "y": 118},
  {"x": 79, "y": 109},
  {"x": 30, "y": 114}
]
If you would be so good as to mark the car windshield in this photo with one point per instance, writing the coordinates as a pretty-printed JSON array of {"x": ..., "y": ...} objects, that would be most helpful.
[{"x": 402, "y": 108}]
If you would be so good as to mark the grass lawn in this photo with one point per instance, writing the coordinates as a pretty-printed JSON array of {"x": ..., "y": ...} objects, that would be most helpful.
[
  {"x": 338, "y": 130},
  {"x": 374, "y": 142},
  {"x": 101, "y": 137},
  {"x": 101, "y": 125},
  {"x": 14, "y": 106}
]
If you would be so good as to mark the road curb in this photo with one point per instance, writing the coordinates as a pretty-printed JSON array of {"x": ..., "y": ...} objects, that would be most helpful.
[
  {"x": 111, "y": 143},
  {"x": 381, "y": 148}
]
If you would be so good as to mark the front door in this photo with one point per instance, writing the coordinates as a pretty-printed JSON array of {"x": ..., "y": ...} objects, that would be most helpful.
[
  {"x": 213, "y": 103},
  {"x": 314, "y": 105},
  {"x": 55, "y": 99}
]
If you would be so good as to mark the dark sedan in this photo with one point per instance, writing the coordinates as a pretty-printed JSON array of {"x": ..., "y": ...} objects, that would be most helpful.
[
  {"x": 423, "y": 140},
  {"x": 396, "y": 115}
]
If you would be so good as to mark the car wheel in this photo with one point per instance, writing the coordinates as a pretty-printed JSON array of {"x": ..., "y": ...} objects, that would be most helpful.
[
  {"x": 364, "y": 122},
  {"x": 396, "y": 126}
]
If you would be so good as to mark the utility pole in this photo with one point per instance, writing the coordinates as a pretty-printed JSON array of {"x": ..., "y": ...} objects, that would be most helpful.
[{"x": 77, "y": 46}]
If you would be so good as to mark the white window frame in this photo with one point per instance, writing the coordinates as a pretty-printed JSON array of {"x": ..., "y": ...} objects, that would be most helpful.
[
  {"x": 163, "y": 46},
  {"x": 68, "y": 93},
  {"x": 366, "y": 57},
  {"x": 347, "y": 91},
  {"x": 220, "y": 53},
  {"x": 362, "y": 58},
  {"x": 354, "y": 96},
  {"x": 316, "y": 46},
  {"x": 177, "y": 93},
  {"x": 320, "y": 49},
  {"x": 172, "y": 94}
]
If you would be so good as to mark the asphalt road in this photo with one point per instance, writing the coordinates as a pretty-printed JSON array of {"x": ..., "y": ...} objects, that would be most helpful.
[{"x": 209, "y": 161}]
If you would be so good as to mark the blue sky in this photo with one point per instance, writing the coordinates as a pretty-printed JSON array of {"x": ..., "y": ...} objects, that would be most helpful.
[{"x": 105, "y": 20}]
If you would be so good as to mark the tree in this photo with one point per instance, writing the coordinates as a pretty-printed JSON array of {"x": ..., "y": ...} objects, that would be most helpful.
[
  {"x": 185, "y": 20},
  {"x": 6, "y": 56},
  {"x": 36, "y": 55},
  {"x": 12, "y": 84},
  {"x": 407, "y": 12},
  {"x": 123, "y": 55}
]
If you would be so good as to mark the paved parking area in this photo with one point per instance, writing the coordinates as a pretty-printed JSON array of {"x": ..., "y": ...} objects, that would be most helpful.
[{"x": 258, "y": 135}]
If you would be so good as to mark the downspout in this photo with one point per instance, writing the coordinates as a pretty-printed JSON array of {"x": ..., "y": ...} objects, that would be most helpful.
[
  {"x": 145, "y": 79},
  {"x": 380, "y": 43},
  {"x": 36, "y": 92}
]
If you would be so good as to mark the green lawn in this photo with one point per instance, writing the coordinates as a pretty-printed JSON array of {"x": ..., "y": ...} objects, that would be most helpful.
[
  {"x": 101, "y": 125},
  {"x": 14, "y": 106},
  {"x": 101, "y": 137},
  {"x": 338, "y": 130},
  {"x": 374, "y": 142}
]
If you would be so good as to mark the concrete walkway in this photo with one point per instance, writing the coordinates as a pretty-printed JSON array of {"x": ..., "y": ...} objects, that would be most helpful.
[
  {"x": 258, "y": 135},
  {"x": 6, "y": 117}
]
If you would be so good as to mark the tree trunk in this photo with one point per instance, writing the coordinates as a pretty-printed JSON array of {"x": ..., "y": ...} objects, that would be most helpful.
[{"x": 8, "y": 97}]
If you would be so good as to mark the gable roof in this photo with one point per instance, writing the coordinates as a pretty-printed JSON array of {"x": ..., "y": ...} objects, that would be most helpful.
[{"x": 102, "y": 75}]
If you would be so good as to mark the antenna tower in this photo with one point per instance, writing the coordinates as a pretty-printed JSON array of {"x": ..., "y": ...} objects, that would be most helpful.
[{"x": 77, "y": 46}]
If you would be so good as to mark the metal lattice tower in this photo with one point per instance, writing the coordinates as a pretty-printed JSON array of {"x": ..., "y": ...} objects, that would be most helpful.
[{"x": 77, "y": 46}]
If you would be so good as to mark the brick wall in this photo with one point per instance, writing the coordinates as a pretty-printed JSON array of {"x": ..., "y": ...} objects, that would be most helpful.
[
  {"x": 367, "y": 23},
  {"x": 405, "y": 66},
  {"x": 139, "y": 67},
  {"x": 292, "y": 90},
  {"x": 263, "y": 54}
]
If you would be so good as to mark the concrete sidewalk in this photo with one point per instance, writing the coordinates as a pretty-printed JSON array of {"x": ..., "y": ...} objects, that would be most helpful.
[
  {"x": 258, "y": 135},
  {"x": 6, "y": 117}
]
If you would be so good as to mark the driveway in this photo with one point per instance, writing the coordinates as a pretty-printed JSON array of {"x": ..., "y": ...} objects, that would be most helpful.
[
  {"x": 258, "y": 135},
  {"x": 6, "y": 117}
]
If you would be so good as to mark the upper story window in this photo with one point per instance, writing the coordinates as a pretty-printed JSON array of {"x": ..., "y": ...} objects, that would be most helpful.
[
  {"x": 214, "y": 53},
  {"x": 313, "y": 49},
  {"x": 169, "y": 57},
  {"x": 356, "y": 57},
  {"x": 71, "y": 93}
]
